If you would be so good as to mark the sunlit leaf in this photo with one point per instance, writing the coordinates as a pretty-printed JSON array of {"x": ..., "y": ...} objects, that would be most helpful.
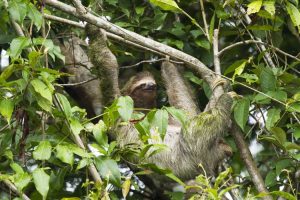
[
  {"x": 76, "y": 126},
  {"x": 17, "y": 45},
  {"x": 41, "y": 88},
  {"x": 125, "y": 107},
  {"x": 21, "y": 180},
  {"x": 254, "y": 7},
  {"x": 294, "y": 13},
  {"x": 166, "y": 5},
  {"x": 65, "y": 104},
  {"x": 109, "y": 170},
  {"x": 43, "y": 151},
  {"x": 126, "y": 188},
  {"x": 160, "y": 121},
  {"x": 6, "y": 108},
  {"x": 35, "y": 16},
  {"x": 99, "y": 132},
  {"x": 41, "y": 182},
  {"x": 269, "y": 7},
  {"x": 65, "y": 154}
]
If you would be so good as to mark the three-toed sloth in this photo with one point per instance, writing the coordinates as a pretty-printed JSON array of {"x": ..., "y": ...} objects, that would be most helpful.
[{"x": 200, "y": 142}]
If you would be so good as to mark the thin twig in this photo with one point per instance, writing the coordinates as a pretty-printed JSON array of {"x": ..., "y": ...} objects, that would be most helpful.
[
  {"x": 11, "y": 186},
  {"x": 204, "y": 18},
  {"x": 261, "y": 47},
  {"x": 257, "y": 42},
  {"x": 78, "y": 83},
  {"x": 150, "y": 61}
]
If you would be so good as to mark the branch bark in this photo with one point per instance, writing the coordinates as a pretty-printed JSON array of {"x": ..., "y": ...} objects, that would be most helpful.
[
  {"x": 11, "y": 186},
  {"x": 248, "y": 160},
  {"x": 190, "y": 61}
]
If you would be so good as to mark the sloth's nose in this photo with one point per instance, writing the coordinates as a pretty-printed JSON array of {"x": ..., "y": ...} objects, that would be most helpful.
[{"x": 149, "y": 86}]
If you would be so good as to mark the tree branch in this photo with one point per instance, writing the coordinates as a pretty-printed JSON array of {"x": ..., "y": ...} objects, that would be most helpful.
[
  {"x": 248, "y": 160},
  {"x": 11, "y": 186},
  {"x": 216, "y": 52},
  {"x": 190, "y": 61},
  {"x": 236, "y": 133},
  {"x": 204, "y": 18},
  {"x": 261, "y": 47},
  {"x": 111, "y": 36}
]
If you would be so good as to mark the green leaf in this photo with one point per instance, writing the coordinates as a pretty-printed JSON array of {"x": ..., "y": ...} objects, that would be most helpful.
[
  {"x": 203, "y": 42},
  {"x": 294, "y": 13},
  {"x": 285, "y": 195},
  {"x": 269, "y": 7},
  {"x": 17, "y": 10},
  {"x": 21, "y": 180},
  {"x": 109, "y": 170},
  {"x": 282, "y": 164},
  {"x": 35, "y": 15},
  {"x": 76, "y": 126},
  {"x": 160, "y": 121},
  {"x": 41, "y": 182},
  {"x": 7, "y": 108},
  {"x": 65, "y": 154},
  {"x": 278, "y": 95},
  {"x": 41, "y": 88},
  {"x": 99, "y": 132},
  {"x": 178, "y": 114},
  {"x": 239, "y": 70},
  {"x": 126, "y": 188},
  {"x": 125, "y": 107},
  {"x": 17, "y": 168},
  {"x": 272, "y": 117},
  {"x": 270, "y": 178},
  {"x": 17, "y": 45},
  {"x": 43, "y": 151},
  {"x": 65, "y": 104},
  {"x": 221, "y": 177},
  {"x": 254, "y": 7},
  {"x": 267, "y": 80},
  {"x": 241, "y": 112},
  {"x": 82, "y": 163},
  {"x": 235, "y": 65},
  {"x": 279, "y": 134},
  {"x": 166, "y": 5}
]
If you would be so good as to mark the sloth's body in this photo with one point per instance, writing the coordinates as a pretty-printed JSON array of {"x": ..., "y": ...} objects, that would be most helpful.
[{"x": 200, "y": 142}]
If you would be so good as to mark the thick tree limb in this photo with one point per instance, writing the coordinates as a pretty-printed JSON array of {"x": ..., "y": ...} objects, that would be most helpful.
[
  {"x": 248, "y": 159},
  {"x": 190, "y": 61},
  {"x": 111, "y": 36},
  {"x": 237, "y": 134}
]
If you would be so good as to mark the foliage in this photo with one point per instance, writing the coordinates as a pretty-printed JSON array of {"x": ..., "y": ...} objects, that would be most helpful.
[{"x": 39, "y": 121}]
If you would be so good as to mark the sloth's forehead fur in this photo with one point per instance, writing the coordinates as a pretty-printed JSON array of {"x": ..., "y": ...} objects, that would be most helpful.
[{"x": 142, "y": 78}]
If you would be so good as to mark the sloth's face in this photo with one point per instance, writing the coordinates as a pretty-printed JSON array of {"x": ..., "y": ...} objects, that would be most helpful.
[{"x": 144, "y": 95}]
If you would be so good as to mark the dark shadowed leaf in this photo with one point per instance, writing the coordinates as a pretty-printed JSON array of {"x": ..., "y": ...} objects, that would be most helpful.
[{"x": 241, "y": 112}]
